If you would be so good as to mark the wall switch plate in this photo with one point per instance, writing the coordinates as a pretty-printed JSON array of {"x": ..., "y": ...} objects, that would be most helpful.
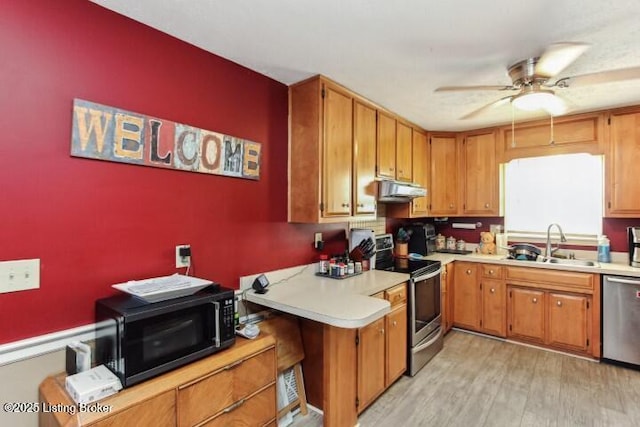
[
  {"x": 182, "y": 261},
  {"x": 317, "y": 241},
  {"x": 495, "y": 228},
  {"x": 19, "y": 275}
]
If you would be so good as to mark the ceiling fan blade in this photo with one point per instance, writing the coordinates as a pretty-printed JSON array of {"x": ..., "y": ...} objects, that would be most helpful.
[
  {"x": 600, "y": 77},
  {"x": 487, "y": 107},
  {"x": 558, "y": 56},
  {"x": 469, "y": 88}
]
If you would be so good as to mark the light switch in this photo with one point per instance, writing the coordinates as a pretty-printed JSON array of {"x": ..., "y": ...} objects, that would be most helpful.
[{"x": 19, "y": 275}]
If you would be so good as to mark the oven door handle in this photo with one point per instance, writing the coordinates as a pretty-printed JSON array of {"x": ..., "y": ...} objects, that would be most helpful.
[
  {"x": 421, "y": 347},
  {"x": 427, "y": 276}
]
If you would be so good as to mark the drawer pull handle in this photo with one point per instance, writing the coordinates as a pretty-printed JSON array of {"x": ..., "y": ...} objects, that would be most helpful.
[
  {"x": 235, "y": 406},
  {"x": 451, "y": 206},
  {"x": 486, "y": 205},
  {"x": 559, "y": 303},
  {"x": 233, "y": 365},
  {"x": 491, "y": 272},
  {"x": 469, "y": 271},
  {"x": 535, "y": 300},
  {"x": 493, "y": 290}
]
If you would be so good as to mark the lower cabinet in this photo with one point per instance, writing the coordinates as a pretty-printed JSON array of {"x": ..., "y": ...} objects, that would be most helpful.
[
  {"x": 233, "y": 387},
  {"x": 555, "y": 309},
  {"x": 446, "y": 281},
  {"x": 382, "y": 349},
  {"x": 479, "y": 298}
]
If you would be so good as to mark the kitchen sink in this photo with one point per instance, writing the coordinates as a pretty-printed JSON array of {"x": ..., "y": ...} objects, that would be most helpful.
[{"x": 580, "y": 262}]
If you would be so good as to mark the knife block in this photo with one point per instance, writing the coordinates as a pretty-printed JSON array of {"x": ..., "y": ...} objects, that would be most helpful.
[{"x": 356, "y": 254}]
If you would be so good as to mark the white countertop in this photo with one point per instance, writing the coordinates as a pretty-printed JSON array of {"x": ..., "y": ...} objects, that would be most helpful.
[
  {"x": 345, "y": 303},
  {"x": 614, "y": 268}
]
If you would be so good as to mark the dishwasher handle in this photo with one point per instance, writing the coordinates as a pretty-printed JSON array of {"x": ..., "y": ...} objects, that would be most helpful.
[{"x": 623, "y": 281}]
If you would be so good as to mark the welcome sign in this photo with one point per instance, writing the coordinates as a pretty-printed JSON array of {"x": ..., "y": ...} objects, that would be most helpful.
[{"x": 108, "y": 133}]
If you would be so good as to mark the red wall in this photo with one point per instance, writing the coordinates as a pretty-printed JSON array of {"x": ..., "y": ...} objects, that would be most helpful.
[{"x": 94, "y": 223}]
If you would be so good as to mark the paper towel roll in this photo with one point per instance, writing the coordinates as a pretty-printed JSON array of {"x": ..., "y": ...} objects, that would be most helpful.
[{"x": 501, "y": 243}]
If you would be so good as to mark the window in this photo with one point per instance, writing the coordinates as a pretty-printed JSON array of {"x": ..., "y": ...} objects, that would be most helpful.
[{"x": 565, "y": 189}]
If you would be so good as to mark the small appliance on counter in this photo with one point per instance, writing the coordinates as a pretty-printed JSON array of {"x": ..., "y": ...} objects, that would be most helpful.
[
  {"x": 634, "y": 246},
  {"x": 423, "y": 239},
  {"x": 363, "y": 241}
]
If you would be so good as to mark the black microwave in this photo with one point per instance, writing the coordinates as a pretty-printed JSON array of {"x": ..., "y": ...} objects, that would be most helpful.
[{"x": 139, "y": 340}]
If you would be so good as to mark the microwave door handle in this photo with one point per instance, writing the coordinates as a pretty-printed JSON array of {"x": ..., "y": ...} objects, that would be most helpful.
[{"x": 216, "y": 315}]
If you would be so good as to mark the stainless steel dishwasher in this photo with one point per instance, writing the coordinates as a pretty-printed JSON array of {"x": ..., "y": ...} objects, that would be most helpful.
[{"x": 621, "y": 319}]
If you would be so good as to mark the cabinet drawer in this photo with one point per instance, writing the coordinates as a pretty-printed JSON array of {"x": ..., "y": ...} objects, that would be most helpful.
[
  {"x": 258, "y": 410},
  {"x": 551, "y": 279},
  {"x": 492, "y": 271},
  {"x": 158, "y": 411},
  {"x": 208, "y": 396},
  {"x": 379, "y": 295},
  {"x": 396, "y": 295}
]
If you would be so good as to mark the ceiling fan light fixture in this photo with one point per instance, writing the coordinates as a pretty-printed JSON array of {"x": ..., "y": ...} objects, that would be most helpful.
[{"x": 536, "y": 100}]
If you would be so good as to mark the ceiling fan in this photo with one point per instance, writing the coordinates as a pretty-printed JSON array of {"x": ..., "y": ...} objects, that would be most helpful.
[{"x": 532, "y": 79}]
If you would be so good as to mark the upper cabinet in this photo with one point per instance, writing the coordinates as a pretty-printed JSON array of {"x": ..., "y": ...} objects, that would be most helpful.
[
  {"x": 622, "y": 192},
  {"x": 386, "y": 146},
  {"x": 364, "y": 151},
  {"x": 444, "y": 191},
  {"x": 583, "y": 133},
  {"x": 480, "y": 177},
  {"x": 404, "y": 167},
  {"x": 320, "y": 152}
]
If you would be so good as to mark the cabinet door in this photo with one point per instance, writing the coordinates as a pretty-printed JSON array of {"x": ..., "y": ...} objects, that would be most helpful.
[
  {"x": 420, "y": 159},
  {"x": 404, "y": 167},
  {"x": 526, "y": 314},
  {"x": 338, "y": 134},
  {"x": 621, "y": 190},
  {"x": 466, "y": 296},
  {"x": 444, "y": 176},
  {"x": 480, "y": 177},
  {"x": 396, "y": 351},
  {"x": 568, "y": 324},
  {"x": 371, "y": 363},
  {"x": 494, "y": 307},
  {"x": 364, "y": 144},
  {"x": 386, "y": 146}
]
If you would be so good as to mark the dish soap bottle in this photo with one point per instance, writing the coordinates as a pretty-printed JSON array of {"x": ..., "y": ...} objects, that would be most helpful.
[{"x": 604, "y": 249}]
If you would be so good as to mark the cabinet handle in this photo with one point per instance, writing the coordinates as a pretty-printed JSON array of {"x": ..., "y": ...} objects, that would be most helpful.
[
  {"x": 345, "y": 205},
  {"x": 361, "y": 205},
  {"x": 486, "y": 205},
  {"x": 451, "y": 206},
  {"x": 390, "y": 169},
  {"x": 559, "y": 303},
  {"x": 395, "y": 323},
  {"x": 381, "y": 331},
  {"x": 535, "y": 300},
  {"x": 468, "y": 271},
  {"x": 492, "y": 290},
  {"x": 491, "y": 272},
  {"x": 233, "y": 365},
  {"x": 234, "y": 406}
]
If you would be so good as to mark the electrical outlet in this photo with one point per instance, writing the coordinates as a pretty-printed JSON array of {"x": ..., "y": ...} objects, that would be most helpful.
[
  {"x": 495, "y": 228},
  {"x": 19, "y": 275},
  {"x": 182, "y": 261},
  {"x": 317, "y": 241}
]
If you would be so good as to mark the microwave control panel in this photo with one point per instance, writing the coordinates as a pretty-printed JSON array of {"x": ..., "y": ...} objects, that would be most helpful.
[{"x": 228, "y": 319}]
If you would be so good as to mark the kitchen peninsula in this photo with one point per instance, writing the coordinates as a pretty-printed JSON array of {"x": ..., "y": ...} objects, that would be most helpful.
[{"x": 332, "y": 312}]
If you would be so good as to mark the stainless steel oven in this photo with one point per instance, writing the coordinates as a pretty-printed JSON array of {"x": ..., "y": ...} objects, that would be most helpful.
[
  {"x": 425, "y": 331},
  {"x": 424, "y": 319}
]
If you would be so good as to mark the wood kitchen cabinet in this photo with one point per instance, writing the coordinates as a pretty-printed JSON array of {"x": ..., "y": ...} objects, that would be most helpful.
[
  {"x": 371, "y": 362},
  {"x": 480, "y": 177},
  {"x": 364, "y": 164},
  {"x": 233, "y": 387},
  {"x": 404, "y": 166},
  {"x": 479, "y": 298},
  {"x": 418, "y": 207},
  {"x": 466, "y": 296},
  {"x": 386, "y": 151},
  {"x": 622, "y": 192},
  {"x": 556, "y": 309},
  {"x": 396, "y": 334},
  {"x": 444, "y": 175}
]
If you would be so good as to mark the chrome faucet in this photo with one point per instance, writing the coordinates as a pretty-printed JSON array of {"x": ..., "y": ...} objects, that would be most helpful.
[{"x": 549, "y": 251}]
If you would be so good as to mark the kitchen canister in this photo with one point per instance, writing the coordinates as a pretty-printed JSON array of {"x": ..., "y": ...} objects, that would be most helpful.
[
  {"x": 440, "y": 242},
  {"x": 451, "y": 243},
  {"x": 461, "y": 245}
]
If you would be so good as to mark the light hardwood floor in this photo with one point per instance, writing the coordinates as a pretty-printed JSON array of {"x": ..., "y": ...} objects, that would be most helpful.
[{"x": 478, "y": 381}]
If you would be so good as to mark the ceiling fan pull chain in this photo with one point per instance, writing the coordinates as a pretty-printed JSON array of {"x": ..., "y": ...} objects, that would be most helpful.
[
  {"x": 552, "y": 142},
  {"x": 513, "y": 127}
]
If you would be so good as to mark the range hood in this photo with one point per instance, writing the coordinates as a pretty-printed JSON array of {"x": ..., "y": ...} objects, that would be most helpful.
[{"x": 399, "y": 192}]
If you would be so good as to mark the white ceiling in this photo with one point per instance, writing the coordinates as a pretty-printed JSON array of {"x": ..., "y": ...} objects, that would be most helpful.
[{"x": 396, "y": 53}]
